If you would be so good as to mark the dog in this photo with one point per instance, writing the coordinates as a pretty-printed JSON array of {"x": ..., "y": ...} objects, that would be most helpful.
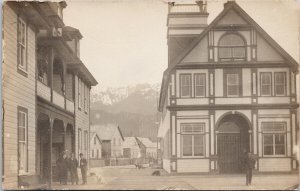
[{"x": 156, "y": 173}]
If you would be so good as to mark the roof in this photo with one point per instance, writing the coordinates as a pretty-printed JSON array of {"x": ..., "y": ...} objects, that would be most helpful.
[
  {"x": 107, "y": 131},
  {"x": 92, "y": 135},
  {"x": 147, "y": 142},
  {"x": 227, "y": 7},
  {"x": 129, "y": 142},
  {"x": 72, "y": 31}
]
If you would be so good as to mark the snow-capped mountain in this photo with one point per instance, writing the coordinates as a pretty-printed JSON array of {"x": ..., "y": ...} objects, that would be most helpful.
[{"x": 133, "y": 108}]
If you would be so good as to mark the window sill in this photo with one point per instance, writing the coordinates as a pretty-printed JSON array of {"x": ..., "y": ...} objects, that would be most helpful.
[
  {"x": 192, "y": 157},
  {"x": 274, "y": 156},
  {"x": 22, "y": 72},
  {"x": 23, "y": 173}
]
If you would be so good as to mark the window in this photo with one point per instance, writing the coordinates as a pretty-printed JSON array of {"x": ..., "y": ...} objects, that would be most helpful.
[
  {"x": 98, "y": 153},
  {"x": 95, "y": 140},
  {"x": 82, "y": 94},
  {"x": 79, "y": 140},
  {"x": 279, "y": 83},
  {"x": 185, "y": 85},
  {"x": 92, "y": 153},
  {"x": 22, "y": 140},
  {"x": 273, "y": 138},
  {"x": 232, "y": 84},
  {"x": 193, "y": 141},
  {"x": 85, "y": 140},
  {"x": 22, "y": 63},
  {"x": 79, "y": 93},
  {"x": 266, "y": 83},
  {"x": 232, "y": 48},
  {"x": 114, "y": 141},
  {"x": 84, "y": 97},
  {"x": 199, "y": 81}
]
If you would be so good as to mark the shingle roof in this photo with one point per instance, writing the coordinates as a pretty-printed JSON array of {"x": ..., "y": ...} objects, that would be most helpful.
[
  {"x": 129, "y": 142},
  {"x": 106, "y": 132},
  {"x": 147, "y": 142},
  {"x": 92, "y": 134}
]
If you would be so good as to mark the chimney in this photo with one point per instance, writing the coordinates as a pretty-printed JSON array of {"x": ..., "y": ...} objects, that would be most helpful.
[{"x": 187, "y": 19}]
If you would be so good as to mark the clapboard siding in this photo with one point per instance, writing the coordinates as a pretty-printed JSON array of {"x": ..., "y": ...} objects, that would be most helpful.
[
  {"x": 275, "y": 165},
  {"x": 18, "y": 90},
  {"x": 192, "y": 165},
  {"x": 81, "y": 121}
]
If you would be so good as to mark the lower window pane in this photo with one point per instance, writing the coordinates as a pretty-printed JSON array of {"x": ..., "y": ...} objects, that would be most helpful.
[
  {"x": 279, "y": 149},
  {"x": 233, "y": 90},
  {"x": 187, "y": 145},
  {"x": 268, "y": 150}
]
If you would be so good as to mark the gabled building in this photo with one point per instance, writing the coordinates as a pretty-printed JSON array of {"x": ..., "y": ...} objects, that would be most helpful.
[
  {"x": 45, "y": 95},
  {"x": 131, "y": 148},
  {"x": 95, "y": 146},
  {"x": 148, "y": 148},
  {"x": 111, "y": 138},
  {"x": 229, "y": 87}
]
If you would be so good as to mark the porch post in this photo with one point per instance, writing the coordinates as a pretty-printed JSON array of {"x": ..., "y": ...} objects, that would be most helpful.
[
  {"x": 65, "y": 135},
  {"x": 51, "y": 122},
  {"x": 51, "y": 60}
]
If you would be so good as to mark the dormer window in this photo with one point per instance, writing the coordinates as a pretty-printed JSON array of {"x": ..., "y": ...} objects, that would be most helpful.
[{"x": 232, "y": 48}]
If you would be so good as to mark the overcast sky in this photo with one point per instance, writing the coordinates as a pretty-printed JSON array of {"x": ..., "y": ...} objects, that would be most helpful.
[{"x": 124, "y": 41}]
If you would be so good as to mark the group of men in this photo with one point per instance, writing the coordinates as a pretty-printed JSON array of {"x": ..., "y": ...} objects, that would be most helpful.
[{"x": 67, "y": 164}]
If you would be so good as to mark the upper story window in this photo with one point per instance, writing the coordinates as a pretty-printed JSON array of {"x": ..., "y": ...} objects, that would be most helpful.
[
  {"x": 79, "y": 140},
  {"x": 266, "y": 83},
  {"x": 280, "y": 83},
  {"x": 199, "y": 81},
  {"x": 233, "y": 85},
  {"x": 185, "y": 85},
  {"x": 22, "y": 56},
  {"x": 232, "y": 48},
  {"x": 79, "y": 93},
  {"x": 95, "y": 140}
]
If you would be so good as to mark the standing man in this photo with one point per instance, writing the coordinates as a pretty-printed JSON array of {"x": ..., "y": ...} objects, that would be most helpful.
[
  {"x": 249, "y": 164},
  {"x": 83, "y": 167},
  {"x": 73, "y": 169}
]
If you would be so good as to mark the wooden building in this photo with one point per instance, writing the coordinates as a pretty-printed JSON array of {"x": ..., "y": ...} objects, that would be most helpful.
[
  {"x": 131, "y": 148},
  {"x": 148, "y": 148},
  {"x": 229, "y": 87},
  {"x": 45, "y": 95},
  {"x": 111, "y": 138},
  {"x": 95, "y": 146}
]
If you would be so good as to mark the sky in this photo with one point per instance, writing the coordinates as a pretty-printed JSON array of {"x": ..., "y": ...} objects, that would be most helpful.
[{"x": 125, "y": 41}]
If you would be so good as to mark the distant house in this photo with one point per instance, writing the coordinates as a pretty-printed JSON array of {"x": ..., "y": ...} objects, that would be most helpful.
[
  {"x": 111, "y": 138},
  {"x": 131, "y": 148},
  {"x": 148, "y": 148},
  {"x": 95, "y": 146}
]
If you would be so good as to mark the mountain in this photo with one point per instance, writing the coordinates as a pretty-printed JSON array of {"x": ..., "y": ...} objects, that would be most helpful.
[{"x": 133, "y": 108}]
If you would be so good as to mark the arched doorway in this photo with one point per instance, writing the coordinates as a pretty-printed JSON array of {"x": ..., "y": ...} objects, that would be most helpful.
[{"x": 232, "y": 140}]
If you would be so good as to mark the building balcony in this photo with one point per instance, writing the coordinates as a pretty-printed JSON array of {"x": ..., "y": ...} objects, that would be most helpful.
[{"x": 44, "y": 92}]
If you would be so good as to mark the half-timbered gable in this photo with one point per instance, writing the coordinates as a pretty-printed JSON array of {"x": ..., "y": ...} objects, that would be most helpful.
[{"x": 230, "y": 88}]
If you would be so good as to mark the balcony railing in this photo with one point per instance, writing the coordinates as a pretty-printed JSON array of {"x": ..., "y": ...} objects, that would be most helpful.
[
  {"x": 43, "y": 91},
  {"x": 70, "y": 106},
  {"x": 58, "y": 99}
]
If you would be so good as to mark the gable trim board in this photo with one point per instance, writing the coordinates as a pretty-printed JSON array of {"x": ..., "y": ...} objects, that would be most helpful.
[{"x": 230, "y": 5}]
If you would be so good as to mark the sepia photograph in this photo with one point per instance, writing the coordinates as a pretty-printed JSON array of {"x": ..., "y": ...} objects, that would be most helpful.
[{"x": 150, "y": 95}]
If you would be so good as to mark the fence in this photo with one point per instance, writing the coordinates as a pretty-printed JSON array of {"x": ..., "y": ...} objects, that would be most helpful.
[{"x": 97, "y": 162}]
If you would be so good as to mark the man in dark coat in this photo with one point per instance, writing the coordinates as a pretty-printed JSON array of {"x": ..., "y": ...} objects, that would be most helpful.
[
  {"x": 249, "y": 164},
  {"x": 62, "y": 165},
  {"x": 73, "y": 168},
  {"x": 83, "y": 167}
]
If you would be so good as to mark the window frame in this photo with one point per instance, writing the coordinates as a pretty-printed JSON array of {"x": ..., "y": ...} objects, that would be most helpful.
[
  {"x": 25, "y": 142},
  {"x": 23, "y": 69},
  {"x": 273, "y": 133},
  {"x": 237, "y": 85},
  {"x": 190, "y": 85},
  {"x": 231, "y": 49},
  {"x": 261, "y": 85},
  {"x": 79, "y": 140},
  {"x": 79, "y": 93},
  {"x": 284, "y": 84},
  {"x": 193, "y": 135},
  {"x": 203, "y": 86}
]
